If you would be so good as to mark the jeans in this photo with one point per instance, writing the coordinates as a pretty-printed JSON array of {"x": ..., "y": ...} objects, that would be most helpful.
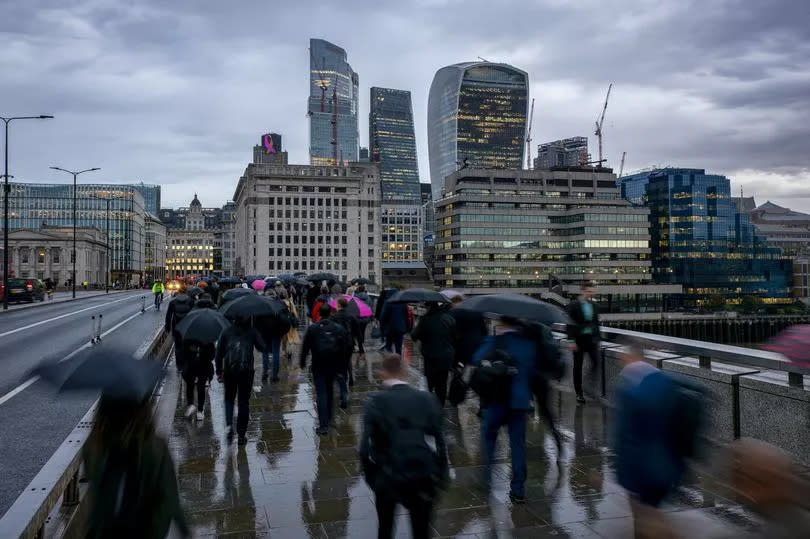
[
  {"x": 494, "y": 417},
  {"x": 238, "y": 385},
  {"x": 590, "y": 346},
  {"x": 361, "y": 335},
  {"x": 343, "y": 386},
  {"x": 393, "y": 342},
  {"x": 419, "y": 509},
  {"x": 195, "y": 379},
  {"x": 275, "y": 345},
  {"x": 158, "y": 300},
  {"x": 437, "y": 383},
  {"x": 325, "y": 395}
]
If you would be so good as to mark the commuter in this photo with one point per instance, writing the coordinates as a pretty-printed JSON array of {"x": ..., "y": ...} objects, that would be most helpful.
[
  {"x": 550, "y": 366},
  {"x": 584, "y": 332},
  {"x": 292, "y": 337},
  {"x": 402, "y": 450},
  {"x": 132, "y": 487},
  {"x": 157, "y": 290},
  {"x": 343, "y": 374},
  {"x": 394, "y": 324},
  {"x": 471, "y": 329},
  {"x": 648, "y": 434},
  {"x": 234, "y": 368},
  {"x": 205, "y": 301},
  {"x": 322, "y": 299},
  {"x": 178, "y": 308},
  {"x": 505, "y": 397},
  {"x": 273, "y": 336},
  {"x": 198, "y": 371},
  {"x": 351, "y": 289},
  {"x": 328, "y": 342},
  {"x": 311, "y": 296},
  {"x": 362, "y": 323},
  {"x": 436, "y": 332}
]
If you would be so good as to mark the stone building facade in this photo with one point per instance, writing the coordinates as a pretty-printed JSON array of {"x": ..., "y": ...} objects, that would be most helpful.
[{"x": 190, "y": 250}]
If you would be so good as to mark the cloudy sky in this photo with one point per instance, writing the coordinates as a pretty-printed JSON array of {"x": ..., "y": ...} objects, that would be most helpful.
[{"x": 177, "y": 92}]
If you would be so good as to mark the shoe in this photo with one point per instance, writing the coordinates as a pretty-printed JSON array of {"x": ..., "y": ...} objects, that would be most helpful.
[
  {"x": 242, "y": 440},
  {"x": 580, "y": 399},
  {"x": 200, "y": 416},
  {"x": 516, "y": 499},
  {"x": 276, "y": 379},
  {"x": 190, "y": 411},
  {"x": 322, "y": 431},
  {"x": 344, "y": 405}
]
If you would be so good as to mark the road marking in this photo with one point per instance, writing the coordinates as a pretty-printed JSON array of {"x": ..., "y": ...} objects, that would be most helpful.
[
  {"x": 20, "y": 388},
  {"x": 35, "y": 324}
]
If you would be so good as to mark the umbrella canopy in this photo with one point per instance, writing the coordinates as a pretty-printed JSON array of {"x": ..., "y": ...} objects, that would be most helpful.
[
  {"x": 417, "y": 295},
  {"x": 793, "y": 343},
  {"x": 252, "y": 306},
  {"x": 355, "y": 307},
  {"x": 323, "y": 277},
  {"x": 202, "y": 326},
  {"x": 194, "y": 291},
  {"x": 300, "y": 274},
  {"x": 234, "y": 293},
  {"x": 450, "y": 294},
  {"x": 361, "y": 280},
  {"x": 258, "y": 284},
  {"x": 286, "y": 279},
  {"x": 251, "y": 278},
  {"x": 230, "y": 280},
  {"x": 301, "y": 281},
  {"x": 112, "y": 371},
  {"x": 516, "y": 306}
]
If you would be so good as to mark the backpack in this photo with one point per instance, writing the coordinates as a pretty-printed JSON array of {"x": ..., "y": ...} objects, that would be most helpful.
[
  {"x": 492, "y": 378},
  {"x": 181, "y": 309},
  {"x": 332, "y": 339},
  {"x": 239, "y": 353}
]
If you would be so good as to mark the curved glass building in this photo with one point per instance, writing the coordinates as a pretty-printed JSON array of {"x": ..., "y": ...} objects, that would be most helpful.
[{"x": 476, "y": 118}]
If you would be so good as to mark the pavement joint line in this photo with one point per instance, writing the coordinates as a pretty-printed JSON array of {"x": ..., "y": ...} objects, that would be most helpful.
[
  {"x": 22, "y": 387},
  {"x": 35, "y": 324}
]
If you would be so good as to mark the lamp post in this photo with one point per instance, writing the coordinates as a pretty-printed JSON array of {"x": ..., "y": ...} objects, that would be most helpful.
[
  {"x": 73, "y": 280},
  {"x": 5, "y": 203}
]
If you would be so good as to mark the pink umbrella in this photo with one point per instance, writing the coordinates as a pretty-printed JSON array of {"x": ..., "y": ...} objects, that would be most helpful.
[
  {"x": 356, "y": 307},
  {"x": 258, "y": 285}
]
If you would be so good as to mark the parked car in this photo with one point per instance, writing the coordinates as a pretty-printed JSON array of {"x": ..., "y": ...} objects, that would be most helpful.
[{"x": 24, "y": 290}]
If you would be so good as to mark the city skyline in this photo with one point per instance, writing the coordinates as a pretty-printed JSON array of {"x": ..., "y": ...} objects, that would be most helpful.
[{"x": 178, "y": 108}]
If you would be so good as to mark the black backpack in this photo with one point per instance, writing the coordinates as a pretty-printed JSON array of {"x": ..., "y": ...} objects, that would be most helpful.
[
  {"x": 239, "y": 353},
  {"x": 181, "y": 308},
  {"x": 332, "y": 339},
  {"x": 492, "y": 378}
]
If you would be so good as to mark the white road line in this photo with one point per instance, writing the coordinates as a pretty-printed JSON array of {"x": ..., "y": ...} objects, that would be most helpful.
[
  {"x": 20, "y": 388},
  {"x": 10, "y": 332}
]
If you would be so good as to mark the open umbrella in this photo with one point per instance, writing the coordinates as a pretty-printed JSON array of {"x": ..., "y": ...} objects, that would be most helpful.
[
  {"x": 316, "y": 277},
  {"x": 230, "y": 280},
  {"x": 234, "y": 293},
  {"x": 300, "y": 274},
  {"x": 252, "y": 306},
  {"x": 356, "y": 307},
  {"x": 417, "y": 295},
  {"x": 516, "y": 306},
  {"x": 202, "y": 326},
  {"x": 450, "y": 294},
  {"x": 360, "y": 280},
  {"x": 286, "y": 279},
  {"x": 258, "y": 285},
  {"x": 194, "y": 291},
  {"x": 110, "y": 370},
  {"x": 793, "y": 343}
]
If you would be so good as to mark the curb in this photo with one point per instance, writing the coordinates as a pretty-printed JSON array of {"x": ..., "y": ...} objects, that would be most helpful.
[{"x": 46, "y": 302}]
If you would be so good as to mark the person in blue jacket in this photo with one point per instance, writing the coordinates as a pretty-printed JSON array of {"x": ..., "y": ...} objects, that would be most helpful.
[{"x": 514, "y": 413}]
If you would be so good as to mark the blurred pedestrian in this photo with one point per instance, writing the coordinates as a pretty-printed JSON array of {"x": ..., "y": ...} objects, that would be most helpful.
[
  {"x": 197, "y": 372},
  {"x": 362, "y": 323},
  {"x": 344, "y": 375},
  {"x": 205, "y": 301},
  {"x": 178, "y": 308},
  {"x": 322, "y": 299},
  {"x": 328, "y": 342},
  {"x": 584, "y": 332},
  {"x": 550, "y": 366},
  {"x": 273, "y": 340},
  {"x": 402, "y": 450},
  {"x": 234, "y": 368},
  {"x": 471, "y": 330},
  {"x": 292, "y": 337},
  {"x": 436, "y": 331},
  {"x": 394, "y": 324}
]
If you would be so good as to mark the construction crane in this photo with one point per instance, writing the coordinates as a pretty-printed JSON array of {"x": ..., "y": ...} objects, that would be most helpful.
[
  {"x": 335, "y": 124},
  {"x": 529, "y": 139},
  {"x": 322, "y": 83},
  {"x": 621, "y": 167},
  {"x": 599, "y": 123}
]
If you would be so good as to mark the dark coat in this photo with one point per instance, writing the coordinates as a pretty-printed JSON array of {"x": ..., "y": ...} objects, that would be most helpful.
[
  {"x": 436, "y": 331},
  {"x": 205, "y": 304},
  {"x": 471, "y": 330},
  {"x": 384, "y": 411},
  {"x": 526, "y": 357},
  {"x": 577, "y": 315},
  {"x": 350, "y": 324},
  {"x": 236, "y": 332},
  {"x": 327, "y": 362},
  {"x": 394, "y": 318}
]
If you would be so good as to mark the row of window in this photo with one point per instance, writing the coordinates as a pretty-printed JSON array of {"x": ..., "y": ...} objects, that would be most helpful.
[
  {"x": 519, "y": 270},
  {"x": 304, "y": 265},
  {"x": 337, "y": 240},
  {"x": 313, "y": 251},
  {"x": 544, "y": 256},
  {"x": 579, "y": 231},
  {"x": 321, "y": 227},
  {"x": 303, "y": 189},
  {"x": 574, "y": 244}
]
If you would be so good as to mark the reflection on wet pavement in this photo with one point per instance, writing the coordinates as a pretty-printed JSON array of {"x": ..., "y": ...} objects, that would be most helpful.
[{"x": 289, "y": 482}]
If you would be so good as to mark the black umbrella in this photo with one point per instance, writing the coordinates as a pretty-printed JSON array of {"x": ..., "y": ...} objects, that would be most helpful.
[
  {"x": 230, "y": 280},
  {"x": 251, "y": 278},
  {"x": 252, "y": 306},
  {"x": 112, "y": 371},
  {"x": 301, "y": 281},
  {"x": 417, "y": 295},
  {"x": 194, "y": 291},
  {"x": 516, "y": 306},
  {"x": 361, "y": 280},
  {"x": 300, "y": 274},
  {"x": 287, "y": 279},
  {"x": 202, "y": 326},
  {"x": 323, "y": 277},
  {"x": 234, "y": 293}
]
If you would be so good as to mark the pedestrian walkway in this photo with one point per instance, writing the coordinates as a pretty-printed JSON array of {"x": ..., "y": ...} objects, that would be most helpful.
[{"x": 289, "y": 482}]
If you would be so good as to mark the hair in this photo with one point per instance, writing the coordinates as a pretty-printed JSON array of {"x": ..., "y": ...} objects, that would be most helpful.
[
  {"x": 455, "y": 300},
  {"x": 587, "y": 284},
  {"x": 337, "y": 289},
  {"x": 360, "y": 288},
  {"x": 325, "y": 310},
  {"x": 342, "y": 302},
  {"x": 324, "y": 289},
  {"x": 393, "y": 364},
  {"x": 282, "y": 294}
]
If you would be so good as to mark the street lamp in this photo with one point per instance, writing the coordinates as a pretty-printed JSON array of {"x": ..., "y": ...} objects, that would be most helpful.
[
  {"x": 73, "y": 283},
  {"x": 6, "y": 191}
]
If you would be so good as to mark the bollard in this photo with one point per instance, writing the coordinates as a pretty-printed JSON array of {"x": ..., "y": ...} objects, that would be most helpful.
[
  {"x": 143, "y": 304},
  {"x": 92, "y": 329},
  {"x": 71, "y": 496},
  {"x": 98, "y": 328}
]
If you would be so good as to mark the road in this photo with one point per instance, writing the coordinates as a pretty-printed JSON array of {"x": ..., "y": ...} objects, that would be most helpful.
[{"x": 34, "y": 420}]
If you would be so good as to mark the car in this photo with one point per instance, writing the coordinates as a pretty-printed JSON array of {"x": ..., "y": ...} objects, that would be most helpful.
[
  {"x": 24, "y": 290},
  {"x": 173, "y": 287}
]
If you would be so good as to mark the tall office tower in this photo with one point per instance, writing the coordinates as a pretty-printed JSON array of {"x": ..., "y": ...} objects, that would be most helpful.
[
  {"x": 568, "y": 152},
  {"x": 333, "y": 105},
  {"x": 392, "y": 144},
  {"x": 151, "y": 197},
  {"x": 476, "y": 119}
]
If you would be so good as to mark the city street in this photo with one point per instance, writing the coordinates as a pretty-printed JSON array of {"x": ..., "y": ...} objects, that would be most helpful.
[{"x": 34, "y": 420}]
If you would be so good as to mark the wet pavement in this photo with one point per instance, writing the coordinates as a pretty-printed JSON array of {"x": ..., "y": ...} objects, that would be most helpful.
[{"x": 289, "y": 482}]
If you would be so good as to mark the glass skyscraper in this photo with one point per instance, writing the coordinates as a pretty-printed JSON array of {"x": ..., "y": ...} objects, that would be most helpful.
[
  {"x": 329, "y": 70},
  {"x": 476, "y": 119},
  {"x": 700, "y": 240},
  {"x": 151, "y": 197}
]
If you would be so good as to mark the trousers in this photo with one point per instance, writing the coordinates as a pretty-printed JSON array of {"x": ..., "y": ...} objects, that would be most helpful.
[
  {"x": 275, "y": 347},
  {"x": 494, "y": 416},
  {"x": 590, "y": 346},
  {"x": 420, "y": 511},
  {"x": 437, "y": 383},
  {"x": 325, "y": 395},
  {"x": 238, "y": 385},
  {"x": 193, "y": 379}
]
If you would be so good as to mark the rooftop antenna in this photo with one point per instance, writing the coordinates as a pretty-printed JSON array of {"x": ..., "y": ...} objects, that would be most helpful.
[{"x": 483, "y": 59}]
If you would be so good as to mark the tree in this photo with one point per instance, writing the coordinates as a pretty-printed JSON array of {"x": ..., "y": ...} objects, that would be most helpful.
[
  {"x": 716, "y": 302},
  {"x": 750, "y": 304}
]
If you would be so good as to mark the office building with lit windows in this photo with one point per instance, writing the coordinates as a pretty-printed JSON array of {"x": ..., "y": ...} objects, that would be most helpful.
[
  {"x": 701, "y": 241},
  {"x": 544, "y": 233},
  {"x": 190, "y": 250},
  {"x": 568, "y": 152},
  {"x": 332, "y": 106},
  {"x": 476, "y": 119}
]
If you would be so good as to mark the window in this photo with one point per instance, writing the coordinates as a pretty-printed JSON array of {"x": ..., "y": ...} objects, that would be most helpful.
[
  {"x": 371, "y": 227},
  {"x": 55, "y": 256},
  {"x": 271, "y": 265},
  {"x": 371, "y": 240}
]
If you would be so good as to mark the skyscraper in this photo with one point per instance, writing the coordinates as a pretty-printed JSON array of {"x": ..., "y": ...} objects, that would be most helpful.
[
  {"x": 476, "y": 118},
  {"x": 333, "y": 104}
]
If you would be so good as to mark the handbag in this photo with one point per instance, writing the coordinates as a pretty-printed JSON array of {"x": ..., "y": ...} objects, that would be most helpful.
[{"x": 458, "y": 388}]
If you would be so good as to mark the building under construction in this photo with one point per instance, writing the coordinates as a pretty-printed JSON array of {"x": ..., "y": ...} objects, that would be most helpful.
[{"x": 569, "y": 152}]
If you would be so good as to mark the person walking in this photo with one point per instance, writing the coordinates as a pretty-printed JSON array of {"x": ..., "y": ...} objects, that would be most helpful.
[
  {"x": 394, "y": 323},
  {"x": 584, "y": 332},
  {"x": 402, "y": 450},
  {"x": 362, "y": 323},
  {"x": 178, "y": 308},
  {"x": 292, "y": 337},
  {"x": 521, "y": 355},
  {"x": 328, "y": 341},
  {"x": 205, "y": 301},
  {"x": 197, "y": 372},
  {"x": 273, "y": 340},
  {"x": 344, "y": 366},
  {"x": 436, "y": 331},
  {"x": 157, "y": 290},
  {"x": 322, "y": 299},
  {"x": 471, "y": 330},
  {"x": 234, "y": 368}
]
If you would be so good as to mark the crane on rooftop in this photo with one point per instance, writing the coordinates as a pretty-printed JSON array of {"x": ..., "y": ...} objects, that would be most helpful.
[
  {"x": 599, "y": 123},
  {"x": 529, "y": 139},
  {"x": 621, "y": 167}
]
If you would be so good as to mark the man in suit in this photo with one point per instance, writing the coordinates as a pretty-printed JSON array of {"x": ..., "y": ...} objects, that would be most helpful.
[
  {"x": 402, "y": 449},
  {"x": 584, "y": 332},
  {"x": 436, "y": 331}
]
